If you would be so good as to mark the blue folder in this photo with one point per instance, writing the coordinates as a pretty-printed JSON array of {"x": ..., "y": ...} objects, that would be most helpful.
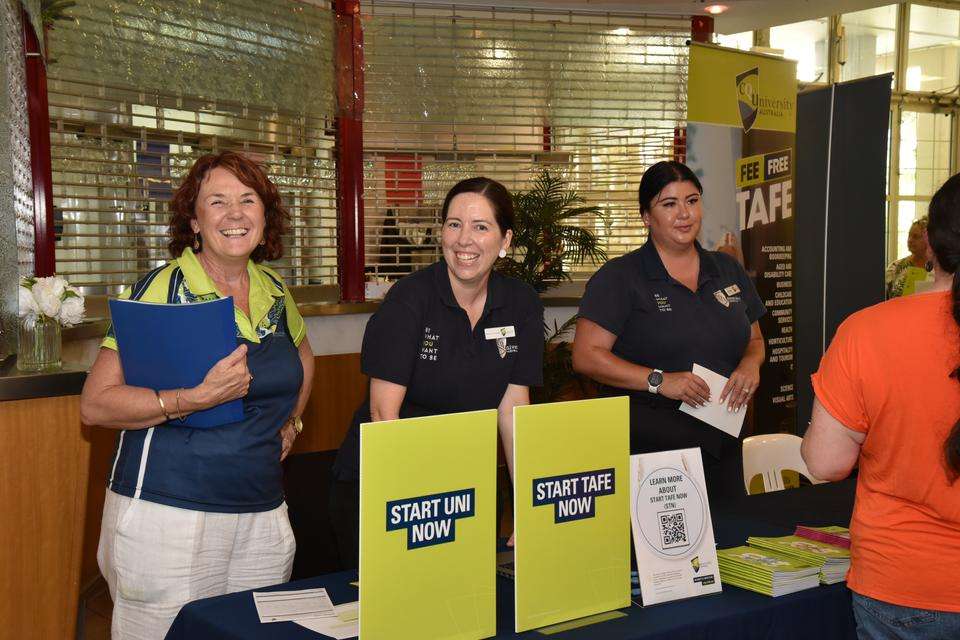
[{"x": 167, "y": 346}]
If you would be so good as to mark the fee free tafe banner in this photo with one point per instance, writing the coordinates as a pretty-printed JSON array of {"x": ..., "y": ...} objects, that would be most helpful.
[{"x": 741, "y": 143}]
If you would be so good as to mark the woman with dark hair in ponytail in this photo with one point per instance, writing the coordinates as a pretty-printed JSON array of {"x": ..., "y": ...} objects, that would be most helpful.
[{"x": 904, "y": 430}]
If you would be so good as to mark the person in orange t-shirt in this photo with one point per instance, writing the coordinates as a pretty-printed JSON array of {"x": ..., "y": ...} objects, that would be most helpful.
[{"x": 888, "y": 396}]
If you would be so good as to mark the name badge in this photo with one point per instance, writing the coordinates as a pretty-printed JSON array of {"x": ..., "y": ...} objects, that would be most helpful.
[
  {"x": 493, "y": 333},
  {"x": 732, "y": 290},
  {"x": 721, "y": 298}
]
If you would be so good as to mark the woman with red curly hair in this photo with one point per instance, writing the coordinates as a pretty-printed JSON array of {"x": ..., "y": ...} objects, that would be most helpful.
[{"x": 193, "y": 513}]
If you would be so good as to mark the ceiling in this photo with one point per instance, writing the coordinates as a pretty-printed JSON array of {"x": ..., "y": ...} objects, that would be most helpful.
[{"x": 741, "y": 15}]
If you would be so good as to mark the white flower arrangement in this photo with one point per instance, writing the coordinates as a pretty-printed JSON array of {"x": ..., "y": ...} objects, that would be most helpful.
[{"x": 51, "y": 298}]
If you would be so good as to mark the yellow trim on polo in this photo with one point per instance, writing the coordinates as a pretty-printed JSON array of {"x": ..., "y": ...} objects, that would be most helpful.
[{"x": 262, "y": 296}]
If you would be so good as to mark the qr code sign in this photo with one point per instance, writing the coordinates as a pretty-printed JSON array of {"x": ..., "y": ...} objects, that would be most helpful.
[{"x": 673, "y": 529}]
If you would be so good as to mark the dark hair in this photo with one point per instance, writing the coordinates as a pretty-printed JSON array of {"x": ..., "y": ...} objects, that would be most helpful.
[
  {"x": 659, "y": 176},
  {"x": 249, "y": 173},
  {"x": 943, "y": 231},
  {"x": 495, "y": 193}
]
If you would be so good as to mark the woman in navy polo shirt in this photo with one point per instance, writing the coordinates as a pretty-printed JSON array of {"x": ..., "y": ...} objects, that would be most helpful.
[
  {"x": 648, "y": 316},
  {"x": 194, "y": 513},
  {"x": 436, "y": 345}
]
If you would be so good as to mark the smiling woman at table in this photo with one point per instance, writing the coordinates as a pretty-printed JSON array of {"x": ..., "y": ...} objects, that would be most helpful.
[
  {"x": 648, "y": 316},
  {"x": 456, "y": 336},
  {"x": 887, "y": 395},
  {"x": 191, "y": 513}
]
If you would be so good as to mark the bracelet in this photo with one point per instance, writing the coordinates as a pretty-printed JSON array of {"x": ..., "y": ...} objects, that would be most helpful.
[
  {"x": 179, "y": 413},
  {"x": 163, "y": 407}
]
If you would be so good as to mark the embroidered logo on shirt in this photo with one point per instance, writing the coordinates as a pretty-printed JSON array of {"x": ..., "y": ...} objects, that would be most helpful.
[
  {"x": 429, "y": 348},
  {"x": 663, "y": 304}
]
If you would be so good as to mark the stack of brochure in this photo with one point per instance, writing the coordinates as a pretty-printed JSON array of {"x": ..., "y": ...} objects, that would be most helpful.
[
  {"x": 837, "y": 536},
  {"x": 767, "y": 572},
  {"x": 833, "y": 561}
]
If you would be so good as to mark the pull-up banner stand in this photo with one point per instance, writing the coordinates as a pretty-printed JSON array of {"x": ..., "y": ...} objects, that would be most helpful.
[
  {"x": 741, "y": 124},
  {"x": 841, "y": 224},
  {"x": 428, "y": 526},
  {"x": 571, "y": 510}
]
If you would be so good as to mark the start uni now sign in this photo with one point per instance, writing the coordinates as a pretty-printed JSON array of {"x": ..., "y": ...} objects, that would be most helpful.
[
  {"x": 573, "y": 496},
  {"x": 430, "y": 519}
]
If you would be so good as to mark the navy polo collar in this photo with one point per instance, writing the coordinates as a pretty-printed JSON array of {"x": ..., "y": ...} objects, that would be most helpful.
[
  {"x": 441, "y": 278},
  {"x": 654, "y": 269}
]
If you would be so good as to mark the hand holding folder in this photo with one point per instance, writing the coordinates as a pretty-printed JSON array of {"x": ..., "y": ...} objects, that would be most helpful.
[{"x": 171, "y": 346}]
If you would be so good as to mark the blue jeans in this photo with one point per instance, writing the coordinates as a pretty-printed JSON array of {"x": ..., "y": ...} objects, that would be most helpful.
[{"x": 878, "y": 620}]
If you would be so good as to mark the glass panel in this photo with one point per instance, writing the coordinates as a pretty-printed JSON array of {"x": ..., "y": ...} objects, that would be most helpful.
[
  {"x": 805, "y": 42},
  {"x": 924, "y": 165},
  {"x": 742, "y": 40},
  {"x": 871, "y": 40},
  {"x": 907, "y": 212},
  {"x": 932, "y": 63}
]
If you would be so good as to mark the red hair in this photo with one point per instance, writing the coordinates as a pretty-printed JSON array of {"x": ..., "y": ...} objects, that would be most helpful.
[{"x": 249, "y": 173}]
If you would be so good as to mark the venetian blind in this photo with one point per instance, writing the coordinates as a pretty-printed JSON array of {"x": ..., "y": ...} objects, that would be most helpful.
[
  {"x": 138, "y": 89},
  {"x": 457, "y": 92}
]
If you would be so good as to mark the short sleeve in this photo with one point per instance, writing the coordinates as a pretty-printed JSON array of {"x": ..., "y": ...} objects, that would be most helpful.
[
  {"x": 838, "y": 383},
  {"x": 528, "y": 368},
  {"x": 295, "y": 323},
  {"x": 110, "y": 339},
  {"x": 392, "y": 339},
  {"x": 755, "y": 306},
  {"x": 606, "y": 299}
]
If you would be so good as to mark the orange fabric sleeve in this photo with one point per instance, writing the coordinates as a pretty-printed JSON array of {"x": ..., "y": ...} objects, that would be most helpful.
[{"x": 839, "y": 382}]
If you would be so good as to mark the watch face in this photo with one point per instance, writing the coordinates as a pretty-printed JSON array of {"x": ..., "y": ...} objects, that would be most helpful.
[{"x": 654, "y": 379}]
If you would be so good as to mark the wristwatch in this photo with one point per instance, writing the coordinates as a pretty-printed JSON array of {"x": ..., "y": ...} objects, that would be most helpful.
[
  {"x": 297, "y": 423},
  {"x": 654, "y": 380}
]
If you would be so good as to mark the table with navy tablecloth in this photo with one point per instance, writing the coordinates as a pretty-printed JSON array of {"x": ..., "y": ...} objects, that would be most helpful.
[{"x": 735, "y": 614}]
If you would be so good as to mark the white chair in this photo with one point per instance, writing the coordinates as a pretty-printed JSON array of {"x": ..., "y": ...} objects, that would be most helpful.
[{"x": 769, "y": 455}]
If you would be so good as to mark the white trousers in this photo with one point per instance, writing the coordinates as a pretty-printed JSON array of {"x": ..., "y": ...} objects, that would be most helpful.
[{"x": 157, "y": 558}]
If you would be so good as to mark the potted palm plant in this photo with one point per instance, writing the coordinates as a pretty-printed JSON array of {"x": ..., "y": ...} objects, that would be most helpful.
[{"x": 546, "y": 243}]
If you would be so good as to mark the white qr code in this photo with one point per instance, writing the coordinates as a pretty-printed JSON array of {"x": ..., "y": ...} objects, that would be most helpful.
[{"x": 673, "y": 529}]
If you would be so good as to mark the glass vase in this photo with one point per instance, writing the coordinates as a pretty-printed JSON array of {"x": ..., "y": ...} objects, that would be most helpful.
[{"x": 40, "y": 345}]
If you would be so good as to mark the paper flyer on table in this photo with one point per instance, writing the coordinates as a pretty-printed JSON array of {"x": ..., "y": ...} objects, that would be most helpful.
[
  {"x": 345, "y": 624},
  {"x": 284, "y": 606},
  {"x": 714, "y": 413},
  {"x": 672, "y": 528}
]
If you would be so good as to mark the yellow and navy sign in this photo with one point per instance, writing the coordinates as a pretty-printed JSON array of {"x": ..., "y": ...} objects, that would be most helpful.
[
  {"x": 743, "y": 90},
  {"x": 573, "y": 495},
  {"x": 430, "y": 520},
  {"x": 571, "y": 510},
  {"x": 428, "y": 527},
  {"x": 766, "y": 167}
]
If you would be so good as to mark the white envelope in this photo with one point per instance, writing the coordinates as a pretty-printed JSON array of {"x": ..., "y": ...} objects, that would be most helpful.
[{"x": 714, "y": 413}]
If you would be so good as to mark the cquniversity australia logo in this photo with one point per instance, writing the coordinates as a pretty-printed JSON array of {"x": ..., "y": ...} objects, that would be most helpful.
[
  {"x": 432, "y": 519},
  {"x": 574, "y": 495},
  {"x": 748, "y": 97}
]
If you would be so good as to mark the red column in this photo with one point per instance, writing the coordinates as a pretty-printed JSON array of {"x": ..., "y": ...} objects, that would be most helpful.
[
  {"x": 701, "y": 28},
  {"x": 39, "y": 115},
  {"x": 349, "y": 143}
]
